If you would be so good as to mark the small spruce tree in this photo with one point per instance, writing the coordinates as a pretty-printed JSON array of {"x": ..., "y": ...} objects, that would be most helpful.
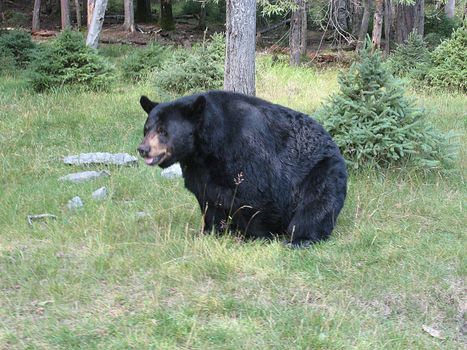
[
  {"x": 449, "y": 70},
  {"x": 411, "y": 58},
  {"x": 67, "y": 61},
  {"x": 373, "y": 122}
]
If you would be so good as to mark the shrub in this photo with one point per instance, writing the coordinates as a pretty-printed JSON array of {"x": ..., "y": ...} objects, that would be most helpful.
[
  {"x": 410, "y": 59},
  {"x": 16, "y": 44},
  {"x": 202, "y": 68},
  {"x": 449, "y": 67},
  {"x": 373, "y": 122},
  {"x": 67, "y": 61},
  {"x": 437, "y": 23},
  {"x": 141, "y": 62},
  {"x": 7, "y": 61}
]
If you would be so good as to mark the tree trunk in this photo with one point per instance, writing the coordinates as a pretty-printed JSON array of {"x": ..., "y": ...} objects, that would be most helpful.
[
  {"x": 143, "y": 10},
  {"x": 303, "y": 44},
  {"x": 357, "y": 16},
  {"x": 36, "y": 24},
  {"x": 296, "y": 34},
  {"x": 167, "y": 20},
  {"x": 96, "y": 23},
  {"x": 129, "y": 24},
  {"x": 340, "y": 15},
  {"x": 387, "y": 25},
  {"x": 409, "y": 18},
  {"x": 365, "y": 23},
  {"x": 202, "y": 16},
  {"x": 65, "y": 14},
  {"x": 91, "y": 4},
  {"x": 377, "y": 24},
  {"x": 239, "y": 73},
  {"x": 450, "y": 8},
  {"x": 78, "y": 14}
]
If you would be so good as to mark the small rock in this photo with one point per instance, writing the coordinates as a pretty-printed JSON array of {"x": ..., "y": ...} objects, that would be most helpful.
[
  {"x": 75, "y": 203},
  {"x": 84, "y": 176},
  {"x": 40, "y": 217},
  {"x": 433, "y": 332},
  {"x": 172, "y": 171},
  {"x": 141, "y": 214},
  {"x": 123, "y": 159},
  {"x": 100, "y": 194}
]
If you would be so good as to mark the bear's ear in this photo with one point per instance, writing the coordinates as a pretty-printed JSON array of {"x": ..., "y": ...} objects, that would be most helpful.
[
  {"x": 198, "y": 106},
  {"x": 147, "y": 104}
]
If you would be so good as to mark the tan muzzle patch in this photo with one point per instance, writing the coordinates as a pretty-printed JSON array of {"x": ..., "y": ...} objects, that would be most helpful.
[{"x": 157, "y": 150}]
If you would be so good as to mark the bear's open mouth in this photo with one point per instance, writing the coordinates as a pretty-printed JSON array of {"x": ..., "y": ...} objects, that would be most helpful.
[{"x": 155, "y": 160}]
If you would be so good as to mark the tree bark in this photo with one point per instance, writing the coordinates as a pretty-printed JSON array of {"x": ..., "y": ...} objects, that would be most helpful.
[
  {"x": 202, "y": 16},
  {"x": 296, "y": 34},
  {"x": 365, "y": 23},
  {"x": 129, "y": 23},
  {"x": 357, "y": 16},
  {"x": 377, "y": 24},
  {"x": 239, "y": 72},
  {"x": 65, "y": 14},
  {"x": 91, "y": 4},
  {"x": 78, "y": 14},
  {"x": 303, "y": 44},
  {"x": 387, "y": 25},
  {"x": 340, "y": 15},
  {"x": 96, "y": 23},
  {"x": 36, "y": 24},
  {"x": 167, "y": 20},
  {"x": 450, "y": 8},
  {"x": 409, "y": 18},
  {"x": 143, "y": 10}
]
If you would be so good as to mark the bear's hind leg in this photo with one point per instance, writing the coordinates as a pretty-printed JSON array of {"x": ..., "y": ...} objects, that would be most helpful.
[{"x": 322, "y": 197}]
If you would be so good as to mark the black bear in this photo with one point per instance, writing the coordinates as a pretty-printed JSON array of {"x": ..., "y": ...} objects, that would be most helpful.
[{"x": 255, "y": 167}]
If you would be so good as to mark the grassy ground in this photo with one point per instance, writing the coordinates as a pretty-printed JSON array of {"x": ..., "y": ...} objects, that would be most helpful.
[{"x": 103, "y": 278}]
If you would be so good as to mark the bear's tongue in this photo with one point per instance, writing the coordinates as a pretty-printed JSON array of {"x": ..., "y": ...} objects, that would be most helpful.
[{"x": 149, "y": 160}]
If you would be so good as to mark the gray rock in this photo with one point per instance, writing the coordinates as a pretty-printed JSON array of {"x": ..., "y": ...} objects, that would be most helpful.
[
  {"x": 172, "y": 171},
  {"x": 84, "y": 176},
  {"x": 123, "y": 159},
  {"x": 141, "y": 214},
  {"x": 40, "y": 217},
  {"x": 99, "y": 194},
  {"x": 75, "y": 203}
]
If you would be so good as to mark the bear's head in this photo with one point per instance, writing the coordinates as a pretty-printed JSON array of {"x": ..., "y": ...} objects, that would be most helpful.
[{"x": 169, "y": 129}]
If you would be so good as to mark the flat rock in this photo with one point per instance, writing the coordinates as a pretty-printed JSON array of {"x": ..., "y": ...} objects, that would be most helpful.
[
  {"x": 172, "y": 171},
  {"x": 123, "y": 159},
  {"x": 84, "y": 176},
  {"x": 141, "y": 214},
  {"x": 99, "y": 194},
  {"x": 75, "y": 203},
  {"x": 40, "y": 217}
]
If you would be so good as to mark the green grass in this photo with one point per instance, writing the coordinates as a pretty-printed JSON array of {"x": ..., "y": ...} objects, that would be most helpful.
[{"x": 102, "y": 278}]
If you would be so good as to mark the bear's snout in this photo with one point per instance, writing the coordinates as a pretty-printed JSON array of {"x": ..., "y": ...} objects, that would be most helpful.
[{"x": 144, "y": 150}]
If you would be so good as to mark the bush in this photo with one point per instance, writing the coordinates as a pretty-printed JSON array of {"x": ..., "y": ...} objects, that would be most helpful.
[
  {"x": 18, "y": 45},
  {"x": 142, "y": 62},
  {"x": 449, "y": 63},
  {"x": 373, "y": 122},
  {"x": 410, "y": 59},
  {"x": 437, "y": 23},
  {"x": 67, "y": 61},
  {"x": 202, "y": 68}
]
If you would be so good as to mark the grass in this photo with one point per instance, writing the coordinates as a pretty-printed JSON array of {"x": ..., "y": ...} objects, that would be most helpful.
[{"x": 103, "y": 278}]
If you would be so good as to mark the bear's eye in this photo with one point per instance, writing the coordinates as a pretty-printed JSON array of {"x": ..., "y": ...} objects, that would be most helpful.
[{"x": 161, "y": 131}]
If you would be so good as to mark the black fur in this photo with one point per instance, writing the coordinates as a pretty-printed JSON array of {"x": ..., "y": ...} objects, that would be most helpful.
[{"x": 257, "y": 167}]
